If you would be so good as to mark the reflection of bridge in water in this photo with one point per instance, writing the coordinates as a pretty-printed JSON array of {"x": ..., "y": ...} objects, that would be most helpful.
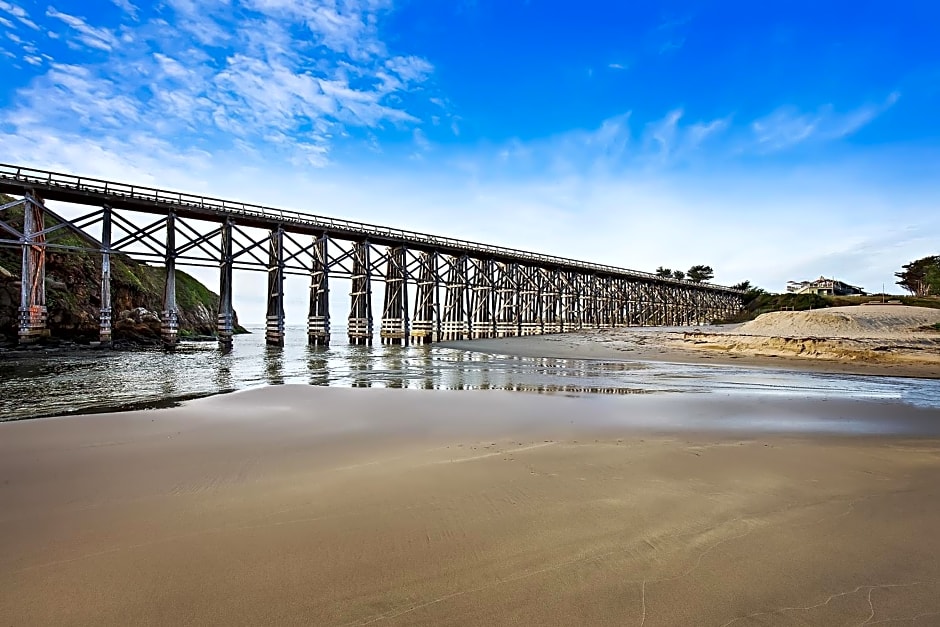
[{"x": 436, "y": 288}]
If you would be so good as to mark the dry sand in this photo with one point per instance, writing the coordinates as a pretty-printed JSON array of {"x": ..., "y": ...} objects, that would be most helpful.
[
  {"x": 871, "y": 339},
  {"x": 317, "y": 506}
]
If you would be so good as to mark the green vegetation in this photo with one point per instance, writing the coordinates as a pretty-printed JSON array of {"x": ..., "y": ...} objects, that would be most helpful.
[
  {"x": 696, "y": 274},
  {"x": 921, "y": 277},
  {"x": 757, "y": 302}
]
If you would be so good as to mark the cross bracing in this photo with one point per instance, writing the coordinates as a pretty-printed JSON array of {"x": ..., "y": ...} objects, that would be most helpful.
[{"x": 437, "y": 288}]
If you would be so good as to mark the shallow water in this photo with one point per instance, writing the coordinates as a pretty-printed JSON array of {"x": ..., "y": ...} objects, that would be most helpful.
[{"x": 35, "y": 386}]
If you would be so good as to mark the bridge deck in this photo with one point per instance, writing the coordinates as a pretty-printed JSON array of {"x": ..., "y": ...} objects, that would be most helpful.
[{"x": 97, "y": 192}]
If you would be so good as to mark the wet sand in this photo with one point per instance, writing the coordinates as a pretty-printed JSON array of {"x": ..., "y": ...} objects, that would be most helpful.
[{"x": 302, "y": 505}]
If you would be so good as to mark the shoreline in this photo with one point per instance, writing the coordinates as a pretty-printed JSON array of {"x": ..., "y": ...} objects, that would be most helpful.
[
  {"x": 296, "y": 504},
  {"x": 669, "y": 345}
]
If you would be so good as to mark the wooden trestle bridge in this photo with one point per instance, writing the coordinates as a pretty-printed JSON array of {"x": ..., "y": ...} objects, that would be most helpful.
[{"x": 436, "y": 288}]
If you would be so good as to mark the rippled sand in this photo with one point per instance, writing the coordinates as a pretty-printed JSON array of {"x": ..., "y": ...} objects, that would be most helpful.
[{"x": 299, "y": 505}]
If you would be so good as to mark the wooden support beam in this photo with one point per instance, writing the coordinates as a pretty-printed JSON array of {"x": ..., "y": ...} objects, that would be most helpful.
[
  {"x": 550, "y": 300},
  {"x": 360, "y": 314},
  {"x": 480, "y": 291},
  {"x": 33, "y": 278},
  {"x": 454, "y": 317},
  {"x": 507, "y": 300},
  {"x": 318, "y": 320},
  {"x": 425, "y": 325},
  {"x": 394, "y": 328},
  {"x": 225, "y": 327},
  {"x": 274, "y": 327},
  {"x": 169, "y": 317},
  {"x": 530, "y": 298},
  {"x": 104, "y": 317}
]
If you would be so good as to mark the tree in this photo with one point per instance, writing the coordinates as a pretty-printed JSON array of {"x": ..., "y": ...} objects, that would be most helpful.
[
  {"x": 751, "y": 292},
  {"x": 663, "y": 273},
  {"x": 697, "y": 274},
  {"x": 921, "y": 277},
  {"x": 678, "y": 275}
]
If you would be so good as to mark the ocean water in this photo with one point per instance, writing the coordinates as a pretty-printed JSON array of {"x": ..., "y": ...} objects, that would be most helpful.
[{"x": 90, "y": 381}]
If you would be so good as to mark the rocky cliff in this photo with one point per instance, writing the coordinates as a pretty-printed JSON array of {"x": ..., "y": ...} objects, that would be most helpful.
[{"x": 73, "y": 296}]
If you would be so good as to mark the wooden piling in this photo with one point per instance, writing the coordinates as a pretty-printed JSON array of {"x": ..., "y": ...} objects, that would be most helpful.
[
  {"x": 169, "y": 317},
  {"x": 318, "y": 320},
  {"x": 425, "y": 322},
  {"x": 104, "y": 312},
  {"x": 454, "y": 322},
  {"x": 394, "y": 327},
  {"x": 274, "y": 328},
  {"x": 360, "y": 329},
  {"x": 33, "y": 278},
  {"x": 225, "y": 323}
]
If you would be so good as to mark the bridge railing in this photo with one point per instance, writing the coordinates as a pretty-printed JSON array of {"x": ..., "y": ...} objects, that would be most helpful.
[{"x": 25, "y": 175}]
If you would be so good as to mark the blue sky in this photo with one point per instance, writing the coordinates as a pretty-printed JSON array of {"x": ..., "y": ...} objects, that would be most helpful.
[{"x": 773, "y": 141}]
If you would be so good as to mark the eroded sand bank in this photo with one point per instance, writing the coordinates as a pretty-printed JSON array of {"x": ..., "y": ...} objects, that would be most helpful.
[{"x": 299, "y": 505}]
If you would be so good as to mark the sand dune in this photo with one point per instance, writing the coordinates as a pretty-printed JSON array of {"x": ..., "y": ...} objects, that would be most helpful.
[
  {"x": 887, "y": 336},
  {"x": 896, "y": 322}
]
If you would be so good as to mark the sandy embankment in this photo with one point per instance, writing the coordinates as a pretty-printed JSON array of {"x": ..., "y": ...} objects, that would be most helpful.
[
  {"x": 876, "y": 334},
  {"x": 870, "y": 339},
  {"x": 299, "y": 505}
]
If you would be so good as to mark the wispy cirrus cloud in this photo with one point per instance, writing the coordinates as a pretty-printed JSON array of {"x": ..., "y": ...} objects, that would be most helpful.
[
  {"x": 618, "y": 144},
  {"x": 670, "y": 140},
  {"x": 670, "y": 33},
  {"x": 788, "y": 126}
]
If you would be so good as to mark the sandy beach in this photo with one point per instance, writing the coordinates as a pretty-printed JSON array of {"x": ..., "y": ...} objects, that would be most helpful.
[
  {"x": 307, "y": 505},
  {"x": 886, "y": 340}
]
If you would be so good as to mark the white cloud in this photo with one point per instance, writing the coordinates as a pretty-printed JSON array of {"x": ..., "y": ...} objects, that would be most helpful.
[
  {"x": 17, "y": 12},
  {"x": 349, "y": 27},
  {"x": 272, "y": 84},
  {"x": 410, "y": 69},
  {"x": 614, "y": 146},
  {"x": 126, "y": 6},
  {"x": 421, "y": 140},
  {"x": 787, "y": 126},
  {"x": 100, "y": 38}
]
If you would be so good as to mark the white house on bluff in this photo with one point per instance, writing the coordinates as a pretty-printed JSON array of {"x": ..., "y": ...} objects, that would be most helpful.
[{"x": 824, "y": 287}]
